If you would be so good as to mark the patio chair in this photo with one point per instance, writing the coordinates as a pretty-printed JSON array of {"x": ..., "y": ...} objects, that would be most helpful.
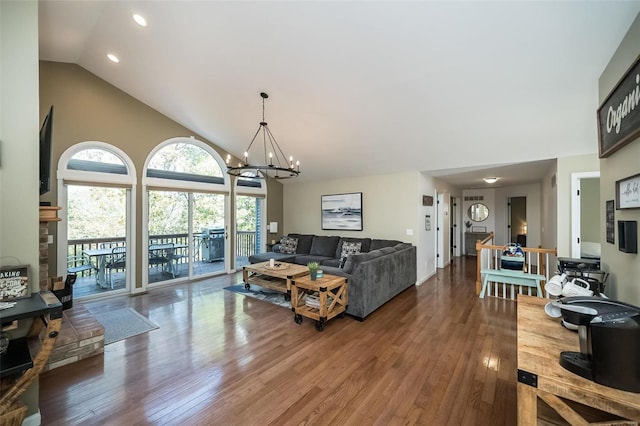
[
  {"x": 116, "y": 260},
  {"x": 162, "y": 254},
  {"x": 77, "y": 264}
]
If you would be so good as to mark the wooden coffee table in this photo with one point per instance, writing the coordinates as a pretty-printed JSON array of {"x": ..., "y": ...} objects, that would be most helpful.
[
  {"x": 331, "y": 292},
  {"x": 277, "y": 278}
]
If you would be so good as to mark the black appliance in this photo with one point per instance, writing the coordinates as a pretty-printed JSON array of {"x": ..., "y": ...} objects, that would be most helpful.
[{"x": 609, "y": 334}]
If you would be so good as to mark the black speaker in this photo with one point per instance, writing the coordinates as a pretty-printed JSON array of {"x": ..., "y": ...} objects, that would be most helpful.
[{"x": 628, "y": 236}]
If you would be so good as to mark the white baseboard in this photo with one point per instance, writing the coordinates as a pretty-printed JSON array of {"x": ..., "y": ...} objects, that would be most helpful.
[
  {"x": 422, "y": 280},
  {"x": 33, "y": 420}
]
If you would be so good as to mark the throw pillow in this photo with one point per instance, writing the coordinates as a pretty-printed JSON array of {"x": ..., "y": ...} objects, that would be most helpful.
[
  {"x": 348, "y": 249},
  {"x": 288, "y": 245}
]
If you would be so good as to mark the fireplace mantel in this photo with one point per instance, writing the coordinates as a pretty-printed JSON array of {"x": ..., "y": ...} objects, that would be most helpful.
[{"x": 49, "y": 214}]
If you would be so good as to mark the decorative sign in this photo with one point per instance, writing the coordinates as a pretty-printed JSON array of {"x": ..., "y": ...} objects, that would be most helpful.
[
  {"x": 619, "y": 115},
  {"x": 628, "y": 193},
  {"x": 427, "y": 200},
  {"x": 610, "y": 222},
  {"x": 14, "y": 282},
  {"x": 427, "y": 222}
]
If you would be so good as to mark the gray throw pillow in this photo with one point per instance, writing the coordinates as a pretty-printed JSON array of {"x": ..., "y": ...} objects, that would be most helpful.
[
  {"x": 348, "y": 249},
  {"x": 288, "y": 245}
]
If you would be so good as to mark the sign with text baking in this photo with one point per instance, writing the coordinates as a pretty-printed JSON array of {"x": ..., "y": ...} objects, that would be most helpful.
[
  {"x": 14, "y": 282},
  {"x": 619, "y": 115}
]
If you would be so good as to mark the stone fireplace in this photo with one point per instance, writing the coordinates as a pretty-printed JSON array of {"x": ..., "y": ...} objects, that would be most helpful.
[{"x": 81, "y": 336}]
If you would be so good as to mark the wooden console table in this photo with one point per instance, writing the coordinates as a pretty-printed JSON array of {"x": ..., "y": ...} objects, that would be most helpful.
[{"x": 541, "y": 378}]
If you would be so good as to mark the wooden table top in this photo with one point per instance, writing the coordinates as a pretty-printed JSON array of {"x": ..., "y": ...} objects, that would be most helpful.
[
  {"x": 285, "y": 270},
  {"x": 540, "y": 341}
]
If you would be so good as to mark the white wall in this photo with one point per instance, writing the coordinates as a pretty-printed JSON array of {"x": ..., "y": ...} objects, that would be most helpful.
[
  {"x": 489, "y": 200},
  {"x": 549, "y": 202},
  {"x": 19, "y": 148}
]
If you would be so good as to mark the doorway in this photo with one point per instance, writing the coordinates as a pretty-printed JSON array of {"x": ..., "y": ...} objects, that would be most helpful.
[
  {"x": 517, "y": 226},
  {"x": 585, "y": 214}
]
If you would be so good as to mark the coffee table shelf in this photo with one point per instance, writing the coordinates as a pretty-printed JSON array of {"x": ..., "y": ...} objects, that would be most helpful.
[
  {"x": 277, "y": 279},
  {"x": 332, "y": 293}
]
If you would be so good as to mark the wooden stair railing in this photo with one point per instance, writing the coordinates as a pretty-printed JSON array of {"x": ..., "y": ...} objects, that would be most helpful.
[{"x": 537, "y": 260}]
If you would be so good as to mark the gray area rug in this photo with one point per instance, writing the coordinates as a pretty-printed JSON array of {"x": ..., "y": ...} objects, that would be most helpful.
[
  {"x": 123, "y": 323},
  {"x": 261, "y": 293}
]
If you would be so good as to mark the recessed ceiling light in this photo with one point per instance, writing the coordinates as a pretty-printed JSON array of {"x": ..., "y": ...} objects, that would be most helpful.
[
  {"x": 490, "y": 179},
  {"x": 113, "y": 58},
  {"x": 139, "y": 20}
]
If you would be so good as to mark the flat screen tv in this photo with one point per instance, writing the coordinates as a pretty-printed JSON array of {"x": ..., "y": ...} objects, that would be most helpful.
[{"x": 46, "y": 134}]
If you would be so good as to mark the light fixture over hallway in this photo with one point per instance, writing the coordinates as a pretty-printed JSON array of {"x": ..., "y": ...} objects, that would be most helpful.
[
  {"x": 490, "y": 179},
  {"x": 275, "y": 164}
]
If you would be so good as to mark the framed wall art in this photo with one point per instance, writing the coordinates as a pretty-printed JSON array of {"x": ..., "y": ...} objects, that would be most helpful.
[
  {"x": 628, "y": 193},
  {"x": 610, "y": 216},
  {"x": 342, "y": 212}
]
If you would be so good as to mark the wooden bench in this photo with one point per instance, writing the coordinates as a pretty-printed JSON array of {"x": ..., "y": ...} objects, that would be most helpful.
[{"x": 512, "y": 277}]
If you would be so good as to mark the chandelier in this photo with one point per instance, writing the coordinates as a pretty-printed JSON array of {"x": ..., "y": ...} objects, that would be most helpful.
[{"x": 275, "y": 164}]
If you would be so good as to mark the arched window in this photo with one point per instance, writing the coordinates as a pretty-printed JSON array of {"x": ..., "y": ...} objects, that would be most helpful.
[
  {"x": 185, "y": 206},
  {"x": 95, "y": 186},
  {"x": 184, "y": 160}
]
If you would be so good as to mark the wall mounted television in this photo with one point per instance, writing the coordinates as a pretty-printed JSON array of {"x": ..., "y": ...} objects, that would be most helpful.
[{"x": 46, "y": 136}]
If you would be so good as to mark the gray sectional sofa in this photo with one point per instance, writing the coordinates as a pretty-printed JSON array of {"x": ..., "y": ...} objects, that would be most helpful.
[{"x": 382, "y": 269}]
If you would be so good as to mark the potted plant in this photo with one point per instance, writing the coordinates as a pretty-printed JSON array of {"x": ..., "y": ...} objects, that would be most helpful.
[{"x": 313, "y": 270}]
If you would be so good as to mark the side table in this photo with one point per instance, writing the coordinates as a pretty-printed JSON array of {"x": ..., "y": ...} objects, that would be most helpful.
[{"x": 332, "y": 295}]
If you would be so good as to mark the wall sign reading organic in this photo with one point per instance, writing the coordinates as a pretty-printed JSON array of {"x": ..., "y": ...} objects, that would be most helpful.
[{"x": 619, "y": 115}]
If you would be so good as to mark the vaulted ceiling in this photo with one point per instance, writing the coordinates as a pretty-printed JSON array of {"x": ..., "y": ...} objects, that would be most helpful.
[{"x": 359, "y": 88}]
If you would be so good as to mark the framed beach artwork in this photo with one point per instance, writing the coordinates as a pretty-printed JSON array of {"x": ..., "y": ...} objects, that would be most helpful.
[{"x": 342, "y": 212}]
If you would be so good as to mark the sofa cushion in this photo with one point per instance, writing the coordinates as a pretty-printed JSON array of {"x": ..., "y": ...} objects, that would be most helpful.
[
  {"x": 348, "y": 249},
  {"x": 353, "y": 260},
  {"x": 365, "y": 245},
  {"x": 304, "y": 259},
  {"x": 324, "y": 246},
  {"x": 263, "y": 257},
  {"x": 288, "y": 245},
  {"x": 376, "y": 244},
  {"x": 304, "y": 242}
]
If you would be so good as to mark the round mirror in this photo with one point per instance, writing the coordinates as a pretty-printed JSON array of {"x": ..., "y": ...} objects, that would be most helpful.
[{"x": 478, "y": 212}]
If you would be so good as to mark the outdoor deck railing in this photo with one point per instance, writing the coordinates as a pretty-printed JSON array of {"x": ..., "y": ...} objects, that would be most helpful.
[{"x": 245, "y": 246}]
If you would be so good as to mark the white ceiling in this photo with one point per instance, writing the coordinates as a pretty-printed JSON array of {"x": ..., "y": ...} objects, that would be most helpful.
[{"x": 360, "y": 88}]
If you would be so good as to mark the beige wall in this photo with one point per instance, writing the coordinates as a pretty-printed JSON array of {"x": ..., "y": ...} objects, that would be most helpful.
[
  {"x": 388, "y": 202},
  {"x": 548, "y": 208},
  {"x": 19, "y": 150},
  {"x": 567, "y": 166},
  {"x": 590, "y": 210},
  {"x": 89, "y": 109},
  {"x": 624, "y": 268}
]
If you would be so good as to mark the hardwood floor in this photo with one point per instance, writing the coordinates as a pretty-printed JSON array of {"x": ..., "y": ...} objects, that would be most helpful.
[{"x": 434, "y": 355}]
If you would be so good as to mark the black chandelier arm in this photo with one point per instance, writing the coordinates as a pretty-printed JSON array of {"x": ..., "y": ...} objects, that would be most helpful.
[
  {"x": 252, "y": 140},
  {"x": 276, "y": 148}
]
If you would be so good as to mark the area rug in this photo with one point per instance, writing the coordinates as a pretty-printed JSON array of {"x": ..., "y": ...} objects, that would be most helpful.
[
  {"x": 123, "y": 323},
  {"x": 261, "y": 293}
]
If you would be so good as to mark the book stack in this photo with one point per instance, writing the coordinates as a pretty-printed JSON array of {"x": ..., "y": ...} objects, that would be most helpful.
[{"x": 312, "y": 300}]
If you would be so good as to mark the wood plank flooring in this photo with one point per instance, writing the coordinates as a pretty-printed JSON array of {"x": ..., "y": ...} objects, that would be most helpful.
[{"x": 434, "y": 355}]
